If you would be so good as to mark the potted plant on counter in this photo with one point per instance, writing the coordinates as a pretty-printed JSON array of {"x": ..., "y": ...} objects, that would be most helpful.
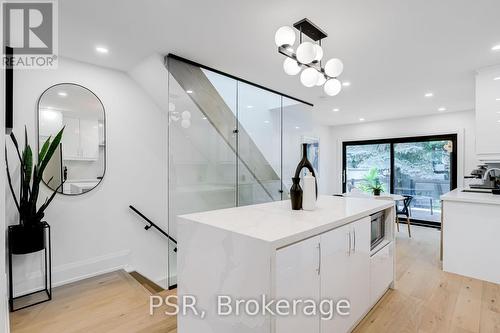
[
  {"x": 28, "y": 236},
  {"x": 372, "y": 182}
]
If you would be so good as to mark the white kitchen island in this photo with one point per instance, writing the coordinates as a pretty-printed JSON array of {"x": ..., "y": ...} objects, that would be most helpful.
[
  {"x": 471, "y": 234},
  {"x": 270, "y": 251}
]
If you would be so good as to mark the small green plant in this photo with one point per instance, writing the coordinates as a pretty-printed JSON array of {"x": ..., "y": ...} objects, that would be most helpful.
[
  {"x": 31, "y": 177},
  {"x": 371, "y": 182}
]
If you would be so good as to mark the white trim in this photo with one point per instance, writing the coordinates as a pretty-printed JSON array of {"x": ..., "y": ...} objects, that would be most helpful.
[
  {"x": 460, "y": 149},
  {"x": 76, "y": 271}
]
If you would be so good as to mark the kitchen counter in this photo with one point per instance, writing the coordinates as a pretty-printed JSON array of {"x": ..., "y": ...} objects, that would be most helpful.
[
  {"x": 277, "y": 224},
  {"x": 472, "y": 197},
  {"x": 470, "y": 232},
  {"x": 268, "y": 250}
]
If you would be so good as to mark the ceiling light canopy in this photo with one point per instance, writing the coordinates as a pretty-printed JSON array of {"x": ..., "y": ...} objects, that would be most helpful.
[
  {"x": 441, "y": 109},
  {"x": 308, "y": 57},
  {"x": 429, "y": 94},
  {"x": 496, "y": 48}
]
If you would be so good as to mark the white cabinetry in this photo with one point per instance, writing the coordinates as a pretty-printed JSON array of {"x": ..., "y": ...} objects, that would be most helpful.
[
  {"x": 297, "y": 277},
  {"x": 488, "y": 114},
  {"x": 347, "y": 248},
  {"x": 80, "y": 139},
  {"x": 381, "y": 272},
  {"x": 333, "y": 266}
]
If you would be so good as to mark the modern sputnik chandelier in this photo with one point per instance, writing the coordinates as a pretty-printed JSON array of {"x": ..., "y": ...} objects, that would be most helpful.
[{"x": 308, "y": 56}]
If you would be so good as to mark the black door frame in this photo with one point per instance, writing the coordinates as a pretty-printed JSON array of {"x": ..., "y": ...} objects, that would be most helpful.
[{"x": 391, "y": 141}]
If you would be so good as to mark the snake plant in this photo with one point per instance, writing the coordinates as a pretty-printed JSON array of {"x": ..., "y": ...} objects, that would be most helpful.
[{"x": 31, "y": 176}]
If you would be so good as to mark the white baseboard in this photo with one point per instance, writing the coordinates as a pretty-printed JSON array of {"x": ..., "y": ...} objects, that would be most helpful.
[{"x": 73, "y": 272}]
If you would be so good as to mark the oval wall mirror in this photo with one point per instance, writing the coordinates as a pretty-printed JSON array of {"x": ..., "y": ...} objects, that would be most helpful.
[{"x": 79, "y": 164}]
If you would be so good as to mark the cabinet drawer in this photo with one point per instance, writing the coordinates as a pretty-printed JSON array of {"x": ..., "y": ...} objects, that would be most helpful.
[{"x": 381, "y": 272}]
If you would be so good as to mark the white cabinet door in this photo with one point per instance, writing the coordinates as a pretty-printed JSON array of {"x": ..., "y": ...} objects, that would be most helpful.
[
  {"x": 487, "y": 116},
  {"x": 71, "y": 138},
  {"x": 381, "y": 272},
  {"x": 297, "y": 278},
  {"x": 336, "y": 247},
  {"x": 360, "y": 269},
  {"x": 345, "y": 272},
  {"x": 89, "y": 139}
]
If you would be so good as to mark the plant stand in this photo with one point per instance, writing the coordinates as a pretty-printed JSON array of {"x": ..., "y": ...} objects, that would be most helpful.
[{"x": 48, "y": 273}]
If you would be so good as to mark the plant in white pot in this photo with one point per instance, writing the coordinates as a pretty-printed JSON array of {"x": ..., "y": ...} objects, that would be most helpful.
[{"x": 28, "y": 236}]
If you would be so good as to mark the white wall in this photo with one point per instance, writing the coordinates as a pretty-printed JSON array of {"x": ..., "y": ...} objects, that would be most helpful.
[
  {"x": 461, "y": 123},
  {"x": 96, "y": 232}
]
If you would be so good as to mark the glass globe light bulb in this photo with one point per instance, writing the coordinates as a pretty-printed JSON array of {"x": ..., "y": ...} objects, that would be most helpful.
[
  {"x": 321, "y": 79},
  {"x": 306, "y": 52},
  {"x": 319, "y": 52},
  {"x": 309, "y": 77},
  {"x": 334, "y": 67},
  {"x": 291, "y": 66},
  {"x": 284, "y": 36},
  {"x": 186, "y": 115},
  {"x": 332, "y": 87}
]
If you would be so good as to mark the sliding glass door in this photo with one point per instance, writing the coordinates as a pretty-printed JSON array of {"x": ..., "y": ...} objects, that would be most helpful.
[
  {"x": 364, "y": 161},
  {"x": 421, "y": 167}
]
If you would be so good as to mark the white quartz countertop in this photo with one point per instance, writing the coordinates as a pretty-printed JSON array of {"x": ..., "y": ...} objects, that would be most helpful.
[
  {"x": 472, "y": 197},
  {"x": 278, "y": 224}
]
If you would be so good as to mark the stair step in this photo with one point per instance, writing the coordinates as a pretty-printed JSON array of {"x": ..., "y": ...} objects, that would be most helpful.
[{"x": 149, "y": 285}]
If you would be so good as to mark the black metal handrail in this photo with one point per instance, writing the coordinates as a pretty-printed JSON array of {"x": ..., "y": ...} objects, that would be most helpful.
[{"x": 152, "y": 224}]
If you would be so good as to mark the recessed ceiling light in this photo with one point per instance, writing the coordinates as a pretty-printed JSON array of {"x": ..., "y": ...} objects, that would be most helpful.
[
  {"x": 189, "y": 91},
  {"x": 429, "y": 94},
  {"x": 442, "y": 109},
  {"x": 204, "y": 118},
  {"x": 498, "y": 99},
  {"x": 336, "y": 110},
  {"x": 496, "y": 48},
  {"x": 62, "y": 93},
  {"x": 249, "y": 106},
  {"x": 297, "y": 127},
  {"x": 266, "y": 121},
  {"x": 102, "y": 49},
  {"x": 497, "y": 78},
  {"x": 498, "y": 121},
  {"x": 346, "y": 84},
  {"x": 361, "y": 119}
]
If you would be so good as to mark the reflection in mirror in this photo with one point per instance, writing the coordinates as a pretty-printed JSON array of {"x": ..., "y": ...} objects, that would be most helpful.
[{"x": 80, "y": 161}]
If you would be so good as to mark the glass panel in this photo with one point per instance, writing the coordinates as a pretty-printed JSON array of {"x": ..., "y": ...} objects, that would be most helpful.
[
  {"x": 202, "y": 162},
  {"x": 259, "y": 145},
  {"x": 422, "y": 170},
  {"x": 297, "y": 129},
  {"x": 367, "y": 164}
]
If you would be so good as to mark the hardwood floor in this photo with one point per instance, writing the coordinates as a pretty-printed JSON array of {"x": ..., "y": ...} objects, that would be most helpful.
[
  {"x": 425, "y": 300},
  {"x": 113, "y": 302}
]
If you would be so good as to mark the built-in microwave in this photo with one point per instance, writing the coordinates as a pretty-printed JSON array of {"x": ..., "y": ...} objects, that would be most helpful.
[{"x": 378, "y": 228}]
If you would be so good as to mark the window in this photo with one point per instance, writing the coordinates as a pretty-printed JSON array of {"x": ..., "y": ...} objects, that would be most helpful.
[{"x": 422, "y": 167}]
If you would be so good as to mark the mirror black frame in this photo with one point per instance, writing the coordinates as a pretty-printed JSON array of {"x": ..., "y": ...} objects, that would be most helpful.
[{"x": 38, "y": 134}]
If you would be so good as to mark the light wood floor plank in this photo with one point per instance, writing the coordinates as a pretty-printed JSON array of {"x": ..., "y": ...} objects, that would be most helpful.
[{"x": 426, "y": 300}]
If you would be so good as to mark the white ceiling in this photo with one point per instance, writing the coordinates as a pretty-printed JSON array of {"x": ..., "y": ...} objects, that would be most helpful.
[{"x": 394, "y": 51}]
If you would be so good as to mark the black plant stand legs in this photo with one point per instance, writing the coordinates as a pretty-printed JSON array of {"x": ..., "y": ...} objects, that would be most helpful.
[{"x": 48, "y": 274}]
